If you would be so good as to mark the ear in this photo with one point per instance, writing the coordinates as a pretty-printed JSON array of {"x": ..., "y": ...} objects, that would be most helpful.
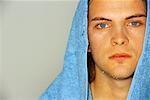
[{"x": 89, "y": 48}]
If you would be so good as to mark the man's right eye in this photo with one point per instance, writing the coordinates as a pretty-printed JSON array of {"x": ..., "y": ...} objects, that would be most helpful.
[{"x": 102, "y": 25}]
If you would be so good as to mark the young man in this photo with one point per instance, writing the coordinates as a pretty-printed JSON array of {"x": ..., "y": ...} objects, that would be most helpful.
[
  {"x": 116, "y": 33},
  {"x": 111, "y": 35}
]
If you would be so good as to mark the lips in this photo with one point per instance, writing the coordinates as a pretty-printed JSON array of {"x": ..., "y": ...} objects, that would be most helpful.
[{"x": 120, "y": 56}]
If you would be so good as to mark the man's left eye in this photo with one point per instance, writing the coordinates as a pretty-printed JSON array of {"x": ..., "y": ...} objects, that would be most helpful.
[{"x": 134, "y": 24}]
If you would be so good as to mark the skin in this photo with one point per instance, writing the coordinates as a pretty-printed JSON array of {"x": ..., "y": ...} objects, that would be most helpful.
[{"x": 115, "y": 26}]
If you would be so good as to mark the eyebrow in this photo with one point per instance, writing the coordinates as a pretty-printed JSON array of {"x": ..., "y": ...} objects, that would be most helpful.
[
  {"x": 100, "y": 18},
  {"x": 130, "y": 17},
  {"x": 135, "y": 16}
]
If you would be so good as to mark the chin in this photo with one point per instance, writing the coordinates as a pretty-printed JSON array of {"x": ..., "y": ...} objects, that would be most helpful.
[
  {"x": 122, "y": 71},
  {"x": 121, "y": 74},
  {"x": 119, "y": 71},
  {"x": 122, "y": 77}
]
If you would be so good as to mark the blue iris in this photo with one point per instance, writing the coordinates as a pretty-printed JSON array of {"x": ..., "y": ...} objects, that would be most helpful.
[
  {"x": 102, "y": 25},
  {"x": 134, "y": 23}
]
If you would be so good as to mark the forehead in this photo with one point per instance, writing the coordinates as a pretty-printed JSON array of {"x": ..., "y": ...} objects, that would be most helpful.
[
  {"x": 116, "y": 3},
  {"x": 116, "y": 7},
  {"x": 92, "y": 0}
]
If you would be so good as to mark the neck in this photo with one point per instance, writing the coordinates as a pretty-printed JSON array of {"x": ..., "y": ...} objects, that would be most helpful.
[{"x": 105, "y": 87}]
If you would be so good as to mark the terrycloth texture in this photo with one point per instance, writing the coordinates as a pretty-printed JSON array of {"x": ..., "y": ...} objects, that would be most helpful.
[{"x": 72, "y": 82}]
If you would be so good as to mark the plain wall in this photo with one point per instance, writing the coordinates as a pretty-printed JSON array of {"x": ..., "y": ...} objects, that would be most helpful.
[
  {"x": 33, "y": 41},
  {"x": 0, "y": 50}
]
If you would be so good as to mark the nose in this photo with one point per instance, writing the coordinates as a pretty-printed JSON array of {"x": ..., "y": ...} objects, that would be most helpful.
[{"x": 119, "y": 39}]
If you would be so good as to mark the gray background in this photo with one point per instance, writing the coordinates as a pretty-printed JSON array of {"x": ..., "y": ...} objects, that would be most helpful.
[{"x": 33, "y": 38}]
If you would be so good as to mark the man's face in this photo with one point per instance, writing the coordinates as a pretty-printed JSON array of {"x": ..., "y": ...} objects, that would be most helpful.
[{"x": 116, "y": 33}]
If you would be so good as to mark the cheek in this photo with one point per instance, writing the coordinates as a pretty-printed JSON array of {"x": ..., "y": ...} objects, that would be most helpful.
[
  {"x": 97, "y": 41},
  {"x": 139, "y": 46},
  {"x": 137, "y": 40},
  {"x": 97, "y": 37},
  {"x": 98, "y": 45}
]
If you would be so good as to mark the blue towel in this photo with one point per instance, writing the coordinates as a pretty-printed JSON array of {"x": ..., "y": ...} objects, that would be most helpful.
[{"x": 72, "y": 82}]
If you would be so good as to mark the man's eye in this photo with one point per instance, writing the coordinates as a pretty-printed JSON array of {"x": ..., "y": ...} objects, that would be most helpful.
[
  {"x": 102, "y": 25},
  {"x": 134, "y": 24}
]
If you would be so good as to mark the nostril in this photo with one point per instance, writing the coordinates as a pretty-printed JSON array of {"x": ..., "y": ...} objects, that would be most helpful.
[
  {"x": 117, "y": 41},
  {"x": 123, "y": 42},
  {"x": 114, "y": 43}
]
